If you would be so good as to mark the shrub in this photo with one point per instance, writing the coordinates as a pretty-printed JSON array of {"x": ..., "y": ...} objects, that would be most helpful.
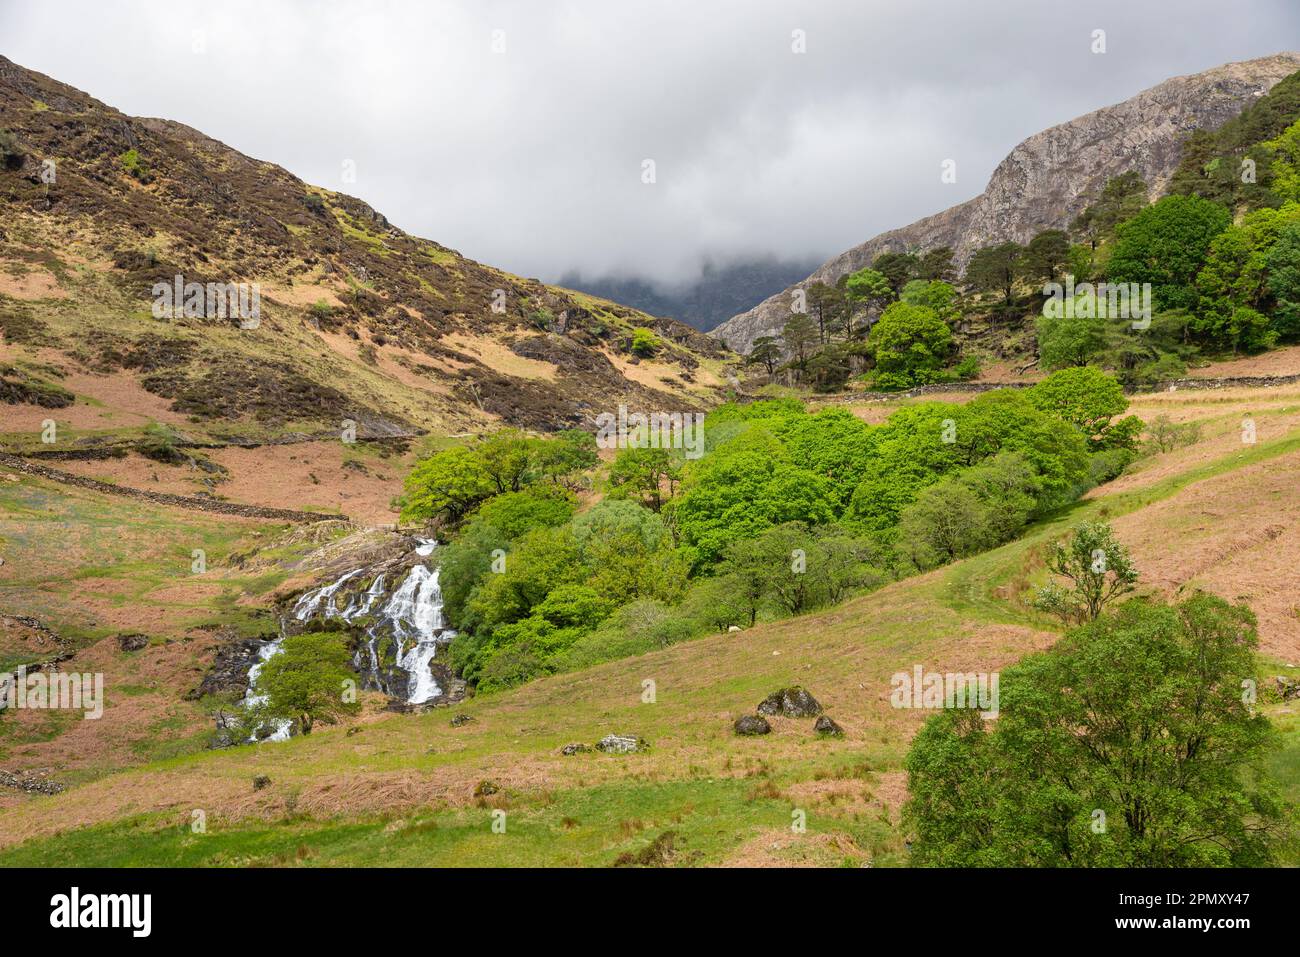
[{"x": 644, "y": 342}]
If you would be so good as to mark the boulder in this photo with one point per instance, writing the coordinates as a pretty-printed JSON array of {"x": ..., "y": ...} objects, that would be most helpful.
[
  {"x": 132, "y": 642},
  {"x": 569, "y": 750},
  {"x": 752, "y": 724},
  {"x": 622, "y": 744},
  {"x": 794, "y": 702},
  {"x": 461, "y": 719},
  {"x": 828, "y": 728}
]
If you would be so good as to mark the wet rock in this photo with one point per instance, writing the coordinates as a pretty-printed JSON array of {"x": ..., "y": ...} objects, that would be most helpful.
[
  {"x": 622, "y": 744},
  {"x": 261, "y": 781},
  {"x": 793, "y": 702},
  {"x": 577, "y": 748},
  {"x": 229, "y": 672},
  {"x": 750, "y": 725},
  {"x": 132, "y": 642},
  {"x": 828, "y": 728}
]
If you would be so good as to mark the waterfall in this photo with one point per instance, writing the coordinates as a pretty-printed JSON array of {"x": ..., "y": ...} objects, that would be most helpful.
[{"x": 411, "y": 619}]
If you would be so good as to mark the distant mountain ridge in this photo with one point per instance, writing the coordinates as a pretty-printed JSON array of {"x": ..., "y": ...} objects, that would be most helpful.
[
  {"x": 1049, "y": 178},
  {"x": 703, "y": 303}
]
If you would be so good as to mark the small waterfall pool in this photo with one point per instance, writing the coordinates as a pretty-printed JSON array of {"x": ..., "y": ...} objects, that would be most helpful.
[{"x": 407, "y": 629}]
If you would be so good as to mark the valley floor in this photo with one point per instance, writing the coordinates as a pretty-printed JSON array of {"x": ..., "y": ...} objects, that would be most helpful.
[{"x": 394, "y": 789}]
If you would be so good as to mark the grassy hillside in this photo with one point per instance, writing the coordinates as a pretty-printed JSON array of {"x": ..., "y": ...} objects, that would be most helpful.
[{"x": 399, "y": 789}]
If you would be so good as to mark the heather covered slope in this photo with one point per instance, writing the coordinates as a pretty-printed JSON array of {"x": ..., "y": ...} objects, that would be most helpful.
[
  {"x": 358, "y": 320},
  {"x": 403, "y": 789}
]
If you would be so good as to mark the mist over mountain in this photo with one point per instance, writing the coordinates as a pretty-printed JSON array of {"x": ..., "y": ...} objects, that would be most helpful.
[{"x": 719, "y": 292}]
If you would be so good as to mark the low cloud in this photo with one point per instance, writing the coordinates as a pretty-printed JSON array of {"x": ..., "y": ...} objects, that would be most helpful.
[{"x": 531, "y": 158}]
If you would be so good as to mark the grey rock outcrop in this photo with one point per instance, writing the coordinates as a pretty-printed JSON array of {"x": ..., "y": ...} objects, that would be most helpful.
[
  {"x": 1046, "y": 181},
  {"x": 794, "y": 702}
]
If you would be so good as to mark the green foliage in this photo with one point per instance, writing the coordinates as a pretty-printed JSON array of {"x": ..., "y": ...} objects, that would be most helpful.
[
  {"x": 646, "y": 474},
  {"x": 1162, "y": 745},
  {"x": 516, "y": 513},
  {"x": 1282, "y": 264},
  {"x": 742, "y": 488},
  {"x": 936, "y": 264},
  {"x": 898, "y": 268},
  {"x": 910, "y": 342},
  {"x": 1166, "y": 435},
  {"x": 1088, "y": 399},
  {"x": 1045, "y": 257},
  {"x": 911, "y": 453},
  {"x": 1121, "y": 198},
  {"x": 1070, "y": 341},
  {"x": 995, "y": 269},
  {"x": 800, "y": 337},
  {"x": 306, "y": 681},
  {"x": 765, "y": 352},
  {"x": 1097, "y": 567},
  {"x": 869, "y": 288},
  {"x": 975, "y": 509},
  {"x": 448, "y": 484},
  {"x": 1212, "y": 165},
  {"x": 644, "y": 342},
  {"x": 938, "y": 296},
  {"x": 1165, "y": 244},
  {"x": 133, "y": 164}
]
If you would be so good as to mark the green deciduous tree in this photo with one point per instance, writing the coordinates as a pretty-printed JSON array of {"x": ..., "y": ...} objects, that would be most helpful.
[
  {"x": 308, "y": 680},
  {"x": 448, "y": 484},
  {"x": 1166, "y": 244},
  {"x": 911, "y": 343},
  {"x": 1097, "y": 567},
  {"x": 1128, "y": 744}
]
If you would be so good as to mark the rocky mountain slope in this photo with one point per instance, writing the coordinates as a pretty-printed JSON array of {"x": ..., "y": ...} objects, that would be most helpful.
[
  {"x": 357, "y": 319},
  {"x": 1049, "y": 178}
]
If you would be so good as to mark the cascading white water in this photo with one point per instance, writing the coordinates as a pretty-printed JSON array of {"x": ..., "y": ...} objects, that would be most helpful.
[
  {"x": 412, "y": 618},
  {"x": 280, "y": 726}
]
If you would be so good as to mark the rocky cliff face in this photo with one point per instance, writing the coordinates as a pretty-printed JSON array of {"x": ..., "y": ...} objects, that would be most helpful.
[{"x": 1049, "y": 178}]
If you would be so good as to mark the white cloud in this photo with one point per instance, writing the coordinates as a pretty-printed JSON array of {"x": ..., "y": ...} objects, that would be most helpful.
[{"x": 530, "y": 159}]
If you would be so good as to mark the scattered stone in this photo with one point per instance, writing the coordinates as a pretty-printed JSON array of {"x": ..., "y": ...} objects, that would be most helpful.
[
  {"x": 1288, "y": 688},
  {"x": 460, "y": 719},
  {"x": 261, "y": 781},
  {"x": 622, "y": 744},
  {"x": 132, "y": 642},
  {"x": 828, "y": 728},
  {"x": 752, "y": 724},
  {"x": 32, "y": 782},
  {"x": 485, "y": 789},
  {"x": 355, "y": 729},
  {"x": 793, "y": 702},
  {"x": 577, "y": 748}
]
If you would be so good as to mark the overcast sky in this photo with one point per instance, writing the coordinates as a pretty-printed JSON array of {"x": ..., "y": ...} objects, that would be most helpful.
[{"x": 530, "y": 157}]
